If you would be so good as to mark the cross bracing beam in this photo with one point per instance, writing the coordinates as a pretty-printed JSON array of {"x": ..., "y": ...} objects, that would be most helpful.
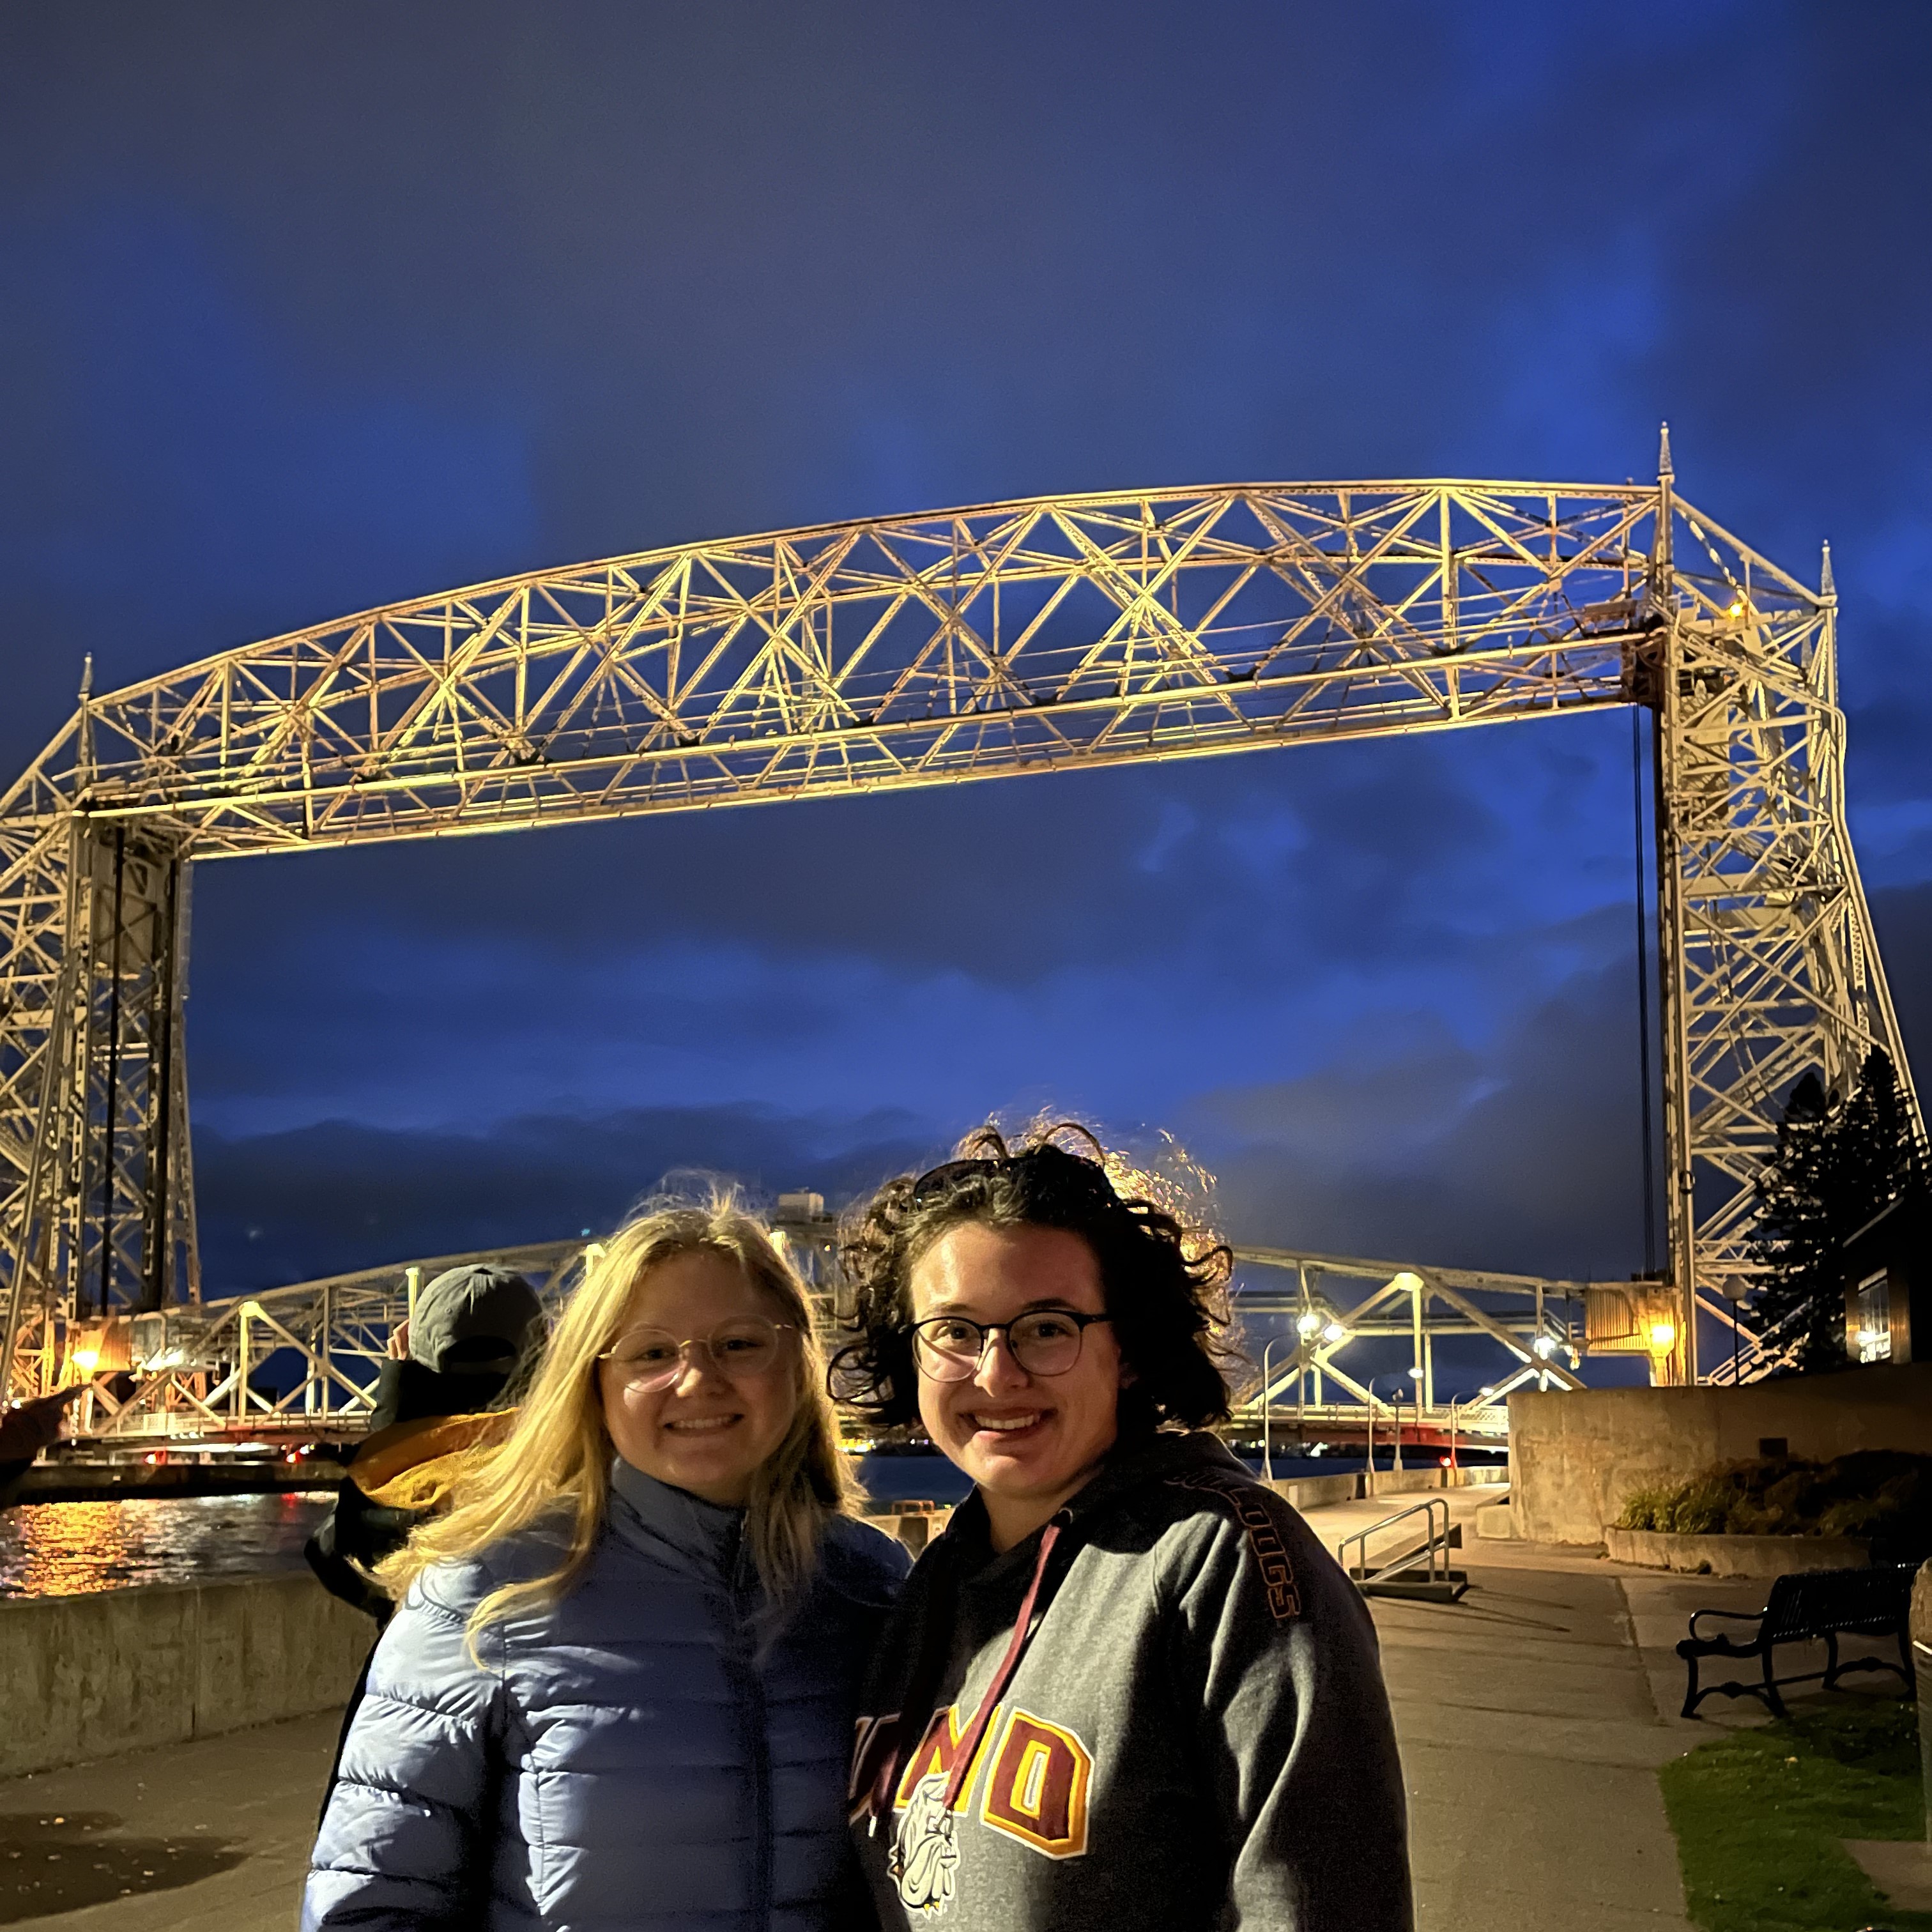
[
  {"x": 194, "y": 1367},
  {"x": 1052, "y": 634},
  {"x": 1410, "y": 1300}
]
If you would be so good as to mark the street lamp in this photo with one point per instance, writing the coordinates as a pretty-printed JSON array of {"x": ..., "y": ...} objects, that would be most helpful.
[
  {"x": 1456, "y": 1402},
  {"x": 1736, "y": 1290},
  {"x": 1268, "y": 1424},
  {"x": 1397, "y": 1461},
  {"x": 1663, "y": 1338},
  {"x": 1544, "y": 1347}
]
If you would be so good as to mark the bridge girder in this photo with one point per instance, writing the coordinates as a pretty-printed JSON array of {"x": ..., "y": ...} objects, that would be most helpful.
[{"x": 1051, "y": 634}]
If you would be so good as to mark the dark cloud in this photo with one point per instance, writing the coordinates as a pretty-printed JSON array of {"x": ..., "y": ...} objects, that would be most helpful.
[
  {"x": 339, "y": 1195},
  {"x": 1903, "y": 916},
  {"x": 1525, "y": 1156}
]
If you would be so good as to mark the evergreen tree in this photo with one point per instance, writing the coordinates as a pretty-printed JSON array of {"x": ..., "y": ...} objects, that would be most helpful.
[{"x": 1839, "y": 1161}]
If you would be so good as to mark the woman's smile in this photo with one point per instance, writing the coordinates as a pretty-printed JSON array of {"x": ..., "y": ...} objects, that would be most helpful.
[
  {"x": 1028, "y": 1441},
  {"x": 708, "y": 1430}
]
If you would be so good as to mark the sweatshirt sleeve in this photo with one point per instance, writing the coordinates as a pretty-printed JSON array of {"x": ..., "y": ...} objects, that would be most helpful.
[
  {"x": 1297, "y": 1743},
  {"x": 403, "y": 1843}
]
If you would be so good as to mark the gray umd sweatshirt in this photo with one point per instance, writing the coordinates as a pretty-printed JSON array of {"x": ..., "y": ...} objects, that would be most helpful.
[{"x": 1195, "y": 1735}]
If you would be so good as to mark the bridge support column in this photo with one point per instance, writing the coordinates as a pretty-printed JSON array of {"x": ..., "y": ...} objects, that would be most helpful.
[{"x": 97, "y": 1214}]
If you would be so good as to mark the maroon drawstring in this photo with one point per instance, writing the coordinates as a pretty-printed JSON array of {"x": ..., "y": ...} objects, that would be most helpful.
[
  {"x": 877, "y": 1802},
  {"x": 962, "y": 1765}
]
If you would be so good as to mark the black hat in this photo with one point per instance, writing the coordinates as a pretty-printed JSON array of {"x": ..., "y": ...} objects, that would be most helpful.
[{"x": 475, "y": 1320}]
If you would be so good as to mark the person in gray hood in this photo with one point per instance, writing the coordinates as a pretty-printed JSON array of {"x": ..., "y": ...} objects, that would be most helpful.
[
  {"x": 1127, "y": 1687},
  {"x": 475, "y": 1331},
  {"x": 620, "y": 1689}
]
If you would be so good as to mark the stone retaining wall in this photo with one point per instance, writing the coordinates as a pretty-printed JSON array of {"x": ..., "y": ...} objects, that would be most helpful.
[
  {"x": 1577, "y": 1456},
  {"x": 89, "y": 1676},
  {"x": 1735, "y": 1555}
]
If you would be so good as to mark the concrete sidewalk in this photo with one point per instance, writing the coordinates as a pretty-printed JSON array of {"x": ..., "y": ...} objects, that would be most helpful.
[
  {"x": 1531, "y": 1739},
  {"x": 212, "y": 1836},
  {"x": 1532, "y": 1714}
]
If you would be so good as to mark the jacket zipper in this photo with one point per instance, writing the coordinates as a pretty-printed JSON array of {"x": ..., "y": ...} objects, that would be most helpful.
[
  {"x": 760, "y": 1754},
  {"x": 761, "y": 1804}
]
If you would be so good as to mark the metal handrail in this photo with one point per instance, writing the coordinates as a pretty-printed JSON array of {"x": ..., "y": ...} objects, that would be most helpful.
[{"x": 1436, "y": 1544}]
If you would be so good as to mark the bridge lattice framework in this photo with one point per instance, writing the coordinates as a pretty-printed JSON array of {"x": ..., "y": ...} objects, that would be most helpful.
[
  {"x": 201, "y": 1373},
  {"x": 1053, "y": 635}
]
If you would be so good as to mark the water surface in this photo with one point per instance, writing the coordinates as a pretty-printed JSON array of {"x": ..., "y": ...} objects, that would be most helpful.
[
  {"x": 76, "y": 1549},
  {"x": 69, "y": 1550}
]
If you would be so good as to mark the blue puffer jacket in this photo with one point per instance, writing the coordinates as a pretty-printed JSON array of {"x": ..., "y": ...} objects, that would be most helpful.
[{"x": 626, "y": 1758}]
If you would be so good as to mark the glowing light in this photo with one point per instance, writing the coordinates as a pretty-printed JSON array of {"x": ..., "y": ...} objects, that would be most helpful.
[
  {"x": 85, "y": 1359},
  {"x": 1663, "y": 1334},
  {"x": 1333, "y": 1332},
  {"x": 1308, "y": 1323},
  {"x": 1737, "y": 610},
  {"x": 1545, "y": 1346}
]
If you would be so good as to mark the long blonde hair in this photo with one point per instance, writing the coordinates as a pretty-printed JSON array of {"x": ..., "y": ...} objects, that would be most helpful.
[{"x": 554, "y": 1465}]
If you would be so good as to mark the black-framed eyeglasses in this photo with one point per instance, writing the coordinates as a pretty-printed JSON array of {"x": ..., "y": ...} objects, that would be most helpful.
[
  {"x": 1045, "y": 1342},
  {"x": 653, "y": 1358}
]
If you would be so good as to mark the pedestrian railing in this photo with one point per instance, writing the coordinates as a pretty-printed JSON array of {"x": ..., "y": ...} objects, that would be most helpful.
[{"x": 1420, "y": 1566}]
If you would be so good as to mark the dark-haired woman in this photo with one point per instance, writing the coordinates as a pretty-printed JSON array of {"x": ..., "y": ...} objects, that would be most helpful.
[{"x": 1127, "y": 1687}]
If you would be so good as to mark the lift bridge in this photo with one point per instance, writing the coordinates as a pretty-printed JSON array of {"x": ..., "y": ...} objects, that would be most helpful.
[
  {"x": 197, "y": 1372},
  {"x": 1054, "y": 634},
  {"x": 298, "y": 1364}
]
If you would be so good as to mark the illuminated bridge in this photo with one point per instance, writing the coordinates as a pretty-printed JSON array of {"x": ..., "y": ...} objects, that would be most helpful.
[
  {"x": 1015, "y": 639},
  {"x": 295, "y": 1365}
]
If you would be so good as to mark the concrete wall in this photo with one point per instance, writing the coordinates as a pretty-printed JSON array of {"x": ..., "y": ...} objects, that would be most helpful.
[
  {"x": 88, "y": 1676},
  {"x": 1735, "y": 1555},
  {"x": 1576, "y": 1457},
  {"x": 1314, "y": 1492}
]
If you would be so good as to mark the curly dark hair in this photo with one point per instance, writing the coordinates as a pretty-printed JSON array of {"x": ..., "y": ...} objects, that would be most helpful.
[{"x": 1164, "y": 1281}]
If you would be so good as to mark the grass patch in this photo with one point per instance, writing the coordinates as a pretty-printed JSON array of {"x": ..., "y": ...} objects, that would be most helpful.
[{"x": 1758, "y": 1815}]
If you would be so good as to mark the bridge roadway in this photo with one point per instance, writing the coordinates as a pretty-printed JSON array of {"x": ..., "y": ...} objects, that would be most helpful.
[{"x": 1532, "y": 1715}]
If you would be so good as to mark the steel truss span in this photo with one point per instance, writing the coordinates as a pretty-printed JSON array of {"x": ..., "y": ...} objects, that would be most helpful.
[
  {"x": 1055, "y": 635},
  {"x": 196, "y": 1371}
]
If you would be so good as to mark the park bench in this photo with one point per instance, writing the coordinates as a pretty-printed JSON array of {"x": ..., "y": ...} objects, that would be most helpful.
[{"x": 1813, "y": 1605}]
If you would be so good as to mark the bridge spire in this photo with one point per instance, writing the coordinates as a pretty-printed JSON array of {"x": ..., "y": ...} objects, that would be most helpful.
[
  {"x": 1664, "y": 471},
  {"x": 1827, "y": 588}
]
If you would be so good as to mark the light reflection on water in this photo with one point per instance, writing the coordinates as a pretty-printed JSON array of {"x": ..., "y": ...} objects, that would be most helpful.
[{"x": 75, "y": 1550}]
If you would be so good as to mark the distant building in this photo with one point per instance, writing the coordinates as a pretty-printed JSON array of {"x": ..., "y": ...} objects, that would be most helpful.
[{"x": 1888, "y": 1274}]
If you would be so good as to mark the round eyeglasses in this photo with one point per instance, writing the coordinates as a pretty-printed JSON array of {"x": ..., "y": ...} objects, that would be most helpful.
[
  {"x": 653, "y": 1358},
  {"x": 950, "y": 1349}
]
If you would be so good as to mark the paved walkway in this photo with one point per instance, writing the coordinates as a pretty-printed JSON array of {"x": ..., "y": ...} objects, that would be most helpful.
[
  {"x": 1532, "y": 1716},
  {"x": 212, "y": 1836}
]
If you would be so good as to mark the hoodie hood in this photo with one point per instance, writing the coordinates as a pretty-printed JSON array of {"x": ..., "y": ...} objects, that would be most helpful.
[{"x": 1128, "y": 1468}]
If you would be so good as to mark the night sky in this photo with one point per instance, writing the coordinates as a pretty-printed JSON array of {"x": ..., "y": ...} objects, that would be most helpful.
[{"x": 306, "y": 308}]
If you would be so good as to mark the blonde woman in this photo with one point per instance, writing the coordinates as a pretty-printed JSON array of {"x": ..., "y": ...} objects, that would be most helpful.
[{"x": 620, "y": 1688}]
